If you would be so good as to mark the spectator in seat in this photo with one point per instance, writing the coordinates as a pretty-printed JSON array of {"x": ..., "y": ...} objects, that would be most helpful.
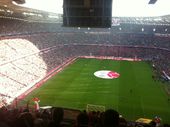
[
  {"x": 111, "y": 118},
  {"x": 82, "y": 120},
  {"x": 57, "y": 117},
  {"x": 25, "y": 120},
  {"x": 122, "y": 122}
]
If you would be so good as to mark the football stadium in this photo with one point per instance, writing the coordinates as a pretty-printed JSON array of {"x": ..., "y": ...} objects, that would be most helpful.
[{"x": 86, "y": 65}]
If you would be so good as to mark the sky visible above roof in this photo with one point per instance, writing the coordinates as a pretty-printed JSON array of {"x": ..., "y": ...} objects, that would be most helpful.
[{"x": 120, "y": 8}]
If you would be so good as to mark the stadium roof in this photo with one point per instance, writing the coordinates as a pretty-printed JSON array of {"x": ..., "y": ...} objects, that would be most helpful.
[{"x": 120, "y": 8}]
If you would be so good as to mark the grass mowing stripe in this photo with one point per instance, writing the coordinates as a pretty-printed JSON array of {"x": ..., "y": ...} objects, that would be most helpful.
[{"x": 128, "y": 81}]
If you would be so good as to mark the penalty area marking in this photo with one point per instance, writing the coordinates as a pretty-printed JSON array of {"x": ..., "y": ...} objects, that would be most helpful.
[{"x": 106, "y": 74}]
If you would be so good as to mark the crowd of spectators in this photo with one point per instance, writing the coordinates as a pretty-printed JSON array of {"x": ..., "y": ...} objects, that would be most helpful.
[
  {"x": 22, "y": 65},
  {"x": 58, "y": 117},
  {"x": 54, "y": 33},
  {"x": 10, "y": 27},
  {"x": 110, "y": 38}
]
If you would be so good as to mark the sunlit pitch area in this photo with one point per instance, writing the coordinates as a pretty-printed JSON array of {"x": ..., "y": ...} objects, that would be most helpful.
[
  {"x": 21, "y": 67},
  {"x": 120, "y": 8}
]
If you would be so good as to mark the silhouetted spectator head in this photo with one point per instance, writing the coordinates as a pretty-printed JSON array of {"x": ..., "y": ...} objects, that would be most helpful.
[
  {"x": 25, "y": 120},
  {"x": 152, "y": 123},
  {"x": 82, "y": 120},
  {"x": 38, "y": 123},
  {"x": 57, "y": 115},
  {"x": 122, "y": 122},
  {"x": 111, "y": 118}
]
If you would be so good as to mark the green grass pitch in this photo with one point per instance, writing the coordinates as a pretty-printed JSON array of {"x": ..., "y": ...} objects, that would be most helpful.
[{"x": 134, "y": 94}]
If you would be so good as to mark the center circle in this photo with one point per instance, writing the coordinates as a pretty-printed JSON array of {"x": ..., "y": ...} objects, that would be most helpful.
[{"x": 106, "y": 74}]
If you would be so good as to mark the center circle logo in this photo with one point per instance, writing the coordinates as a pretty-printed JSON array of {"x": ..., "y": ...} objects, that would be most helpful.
[{"x": 106, "y": 74}]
